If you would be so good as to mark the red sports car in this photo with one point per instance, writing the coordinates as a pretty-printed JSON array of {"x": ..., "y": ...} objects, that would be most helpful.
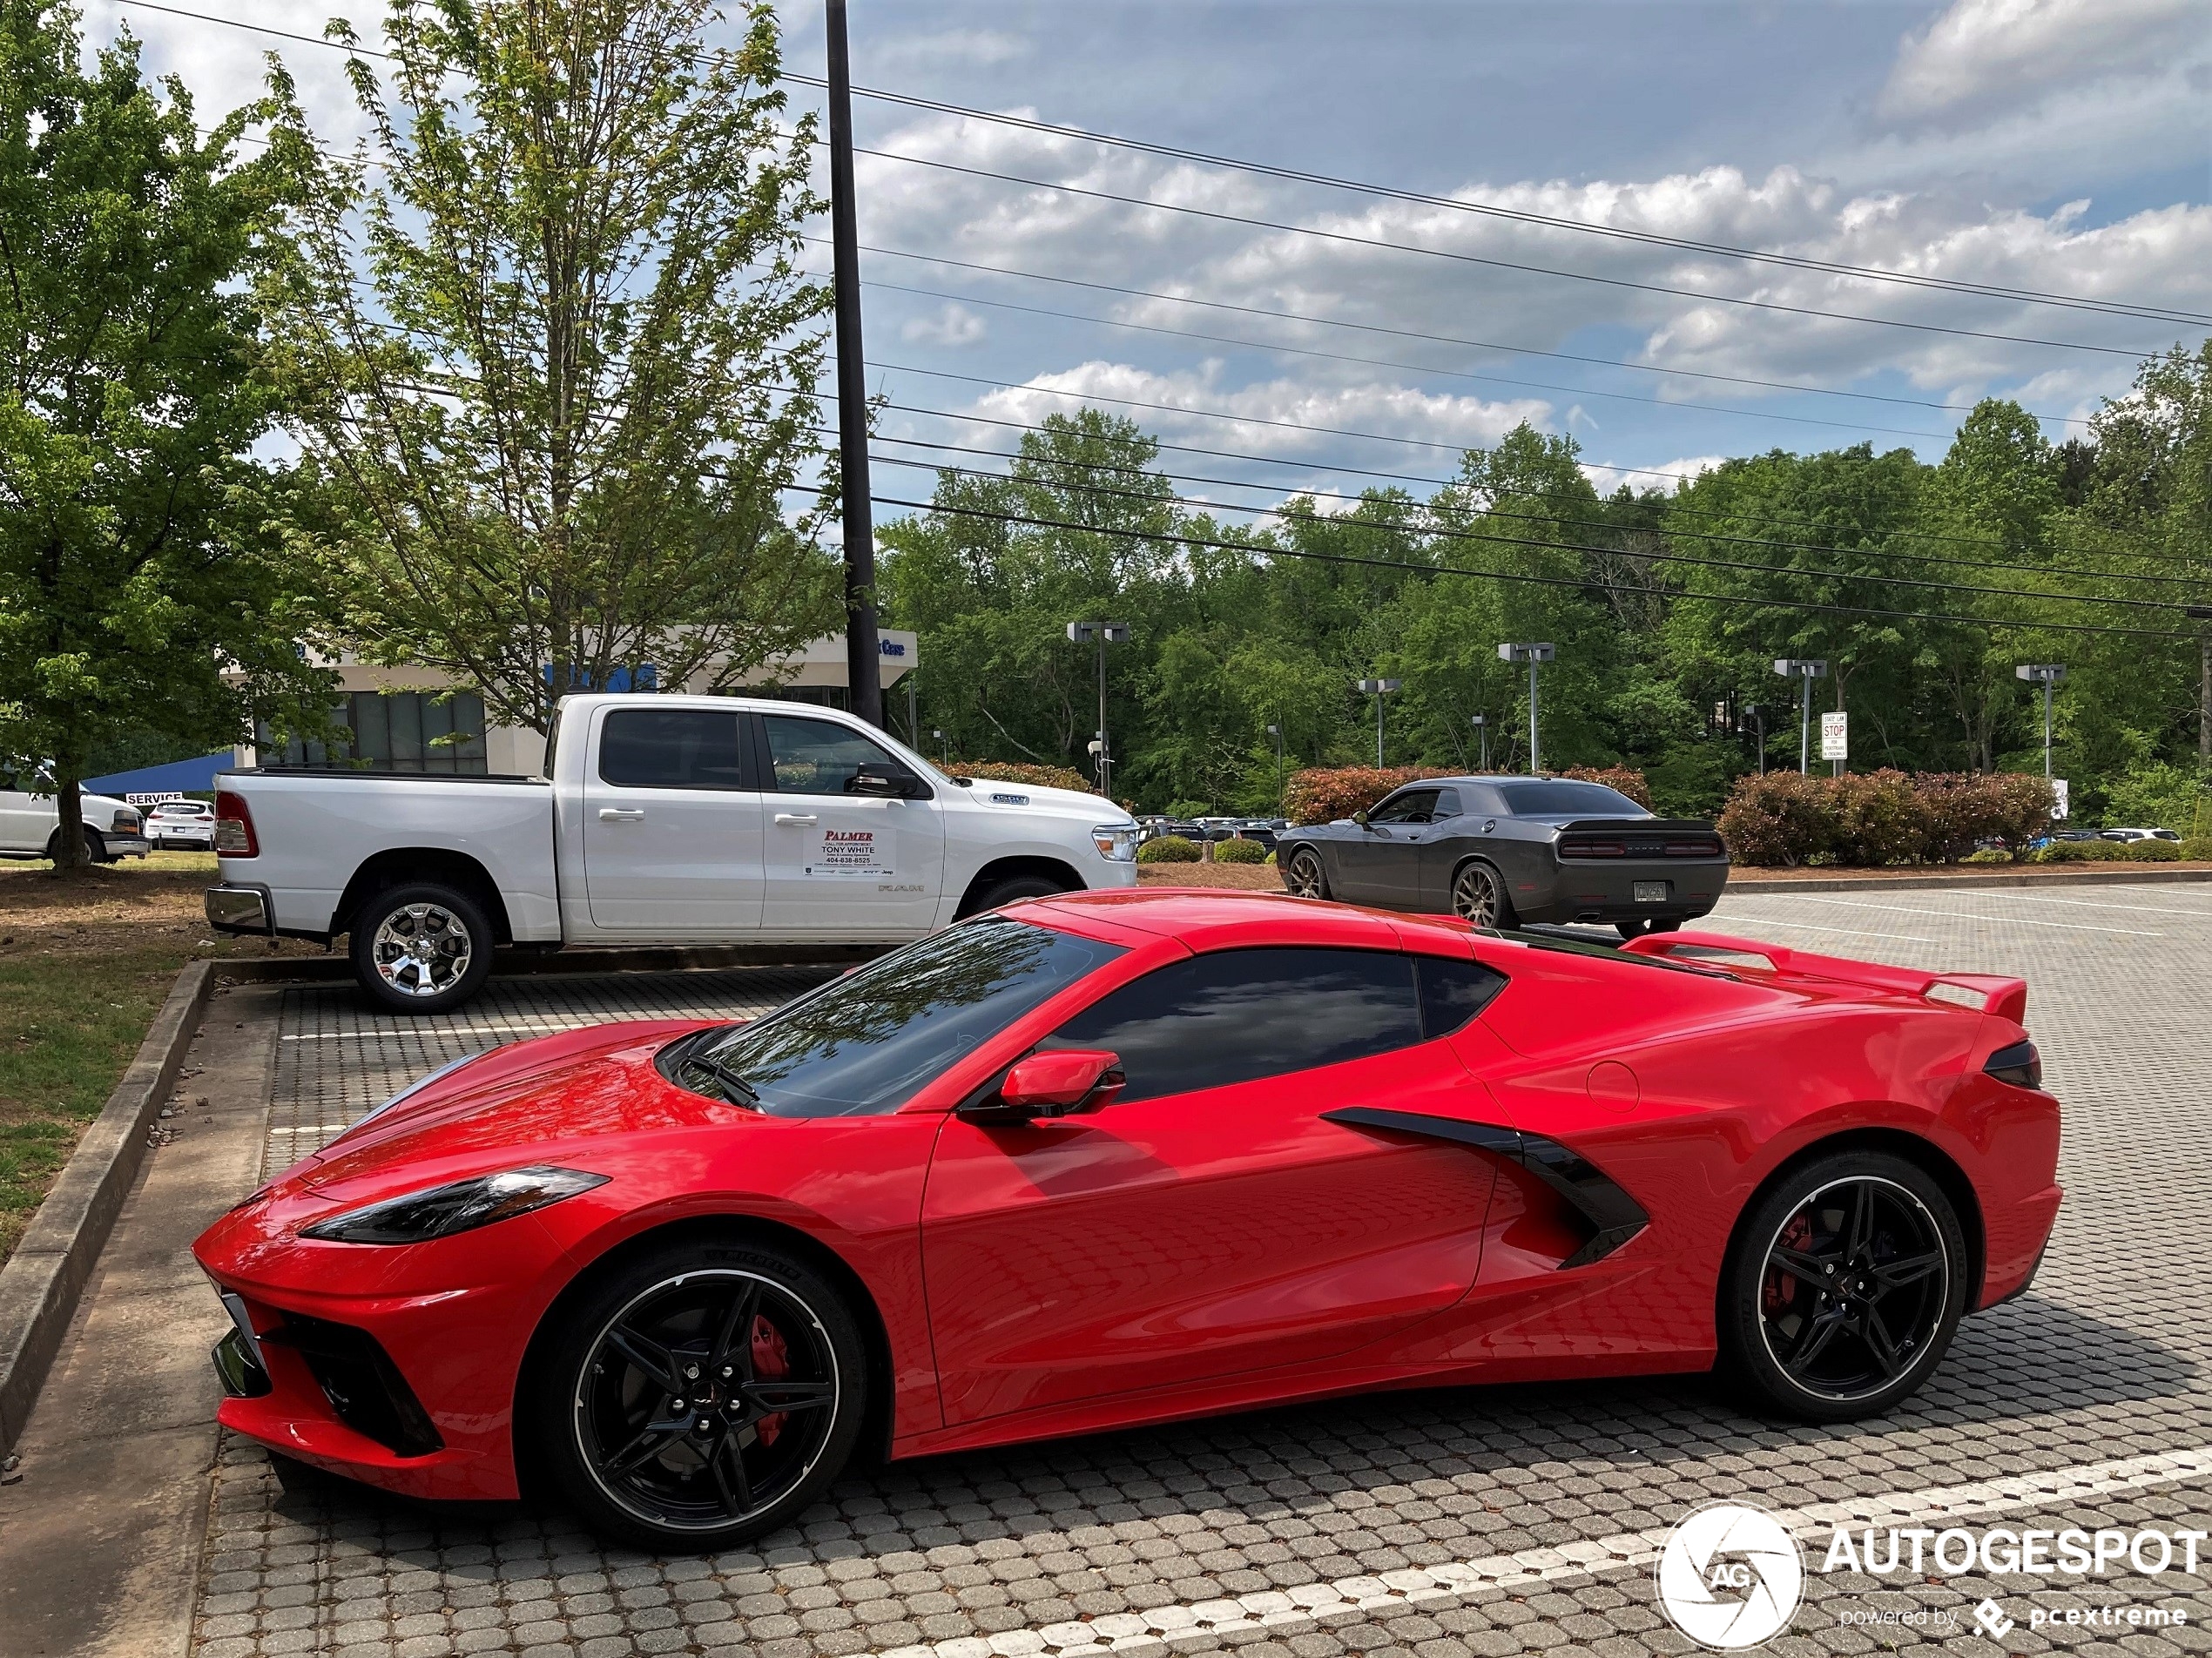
[{"x": 1116, "y": 1157}]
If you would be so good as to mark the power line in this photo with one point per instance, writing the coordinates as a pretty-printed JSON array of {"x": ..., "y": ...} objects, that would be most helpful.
[
  {"x": 1219, "y": 215},
  {"x": 2168, "y": 606},
  {"x": 1436, "y": 339},
  {"x": 1538, "y": 581},
  {"x": 1864, "y": 272},
  {"x": 2026, "y": 296},
  {"x": 1671, "y": 531}
]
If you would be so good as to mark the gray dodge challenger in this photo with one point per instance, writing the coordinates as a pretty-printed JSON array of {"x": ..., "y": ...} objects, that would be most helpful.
[{"x": 1502, "y": 851}]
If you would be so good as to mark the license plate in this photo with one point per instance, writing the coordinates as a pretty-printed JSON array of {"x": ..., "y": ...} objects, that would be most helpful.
[{"x": 1651, "y": 891}]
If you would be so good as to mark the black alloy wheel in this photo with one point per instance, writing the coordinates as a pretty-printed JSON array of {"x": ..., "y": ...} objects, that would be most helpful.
[
  {"x": 1845, "y": 1287},
  {"x": 1479, "y": 895},
  {"x": 1303, "y": 876},
  {"x": 704, "y": 1397}
]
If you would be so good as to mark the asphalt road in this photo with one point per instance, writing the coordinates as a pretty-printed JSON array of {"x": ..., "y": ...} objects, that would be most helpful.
[{"x": 1473, "y": 1520}]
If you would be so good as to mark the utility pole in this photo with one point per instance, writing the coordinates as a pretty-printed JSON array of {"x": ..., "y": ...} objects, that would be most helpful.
[
  {"x": 1379, "y": 689},
  {"x": 863, "y": 661},
  {"x": 1531, "y": 654},
  {"x": 1804, "y": 669},
  {"x": 1276, "y": 731},
  {"x": 2202, "y": 613},
  {"x": 913, "y": 717},
  {"x": 2046, "y": 674},
  {"x": 1104, "y": 633}
]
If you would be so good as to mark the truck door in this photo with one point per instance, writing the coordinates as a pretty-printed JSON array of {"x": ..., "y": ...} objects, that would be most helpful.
[
  {"x": 672, "y": 819},
  {"x": 842, "y": 864}
]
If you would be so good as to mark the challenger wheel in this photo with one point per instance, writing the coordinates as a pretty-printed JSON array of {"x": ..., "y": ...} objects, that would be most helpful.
[
  {"x": 1479, "y": 895},
  {"x": 701, "y": 1395},
  {"x": 421, "y": 948},
  {"x": 1844, "y": 1286},
  {"x": 1303, "y": 876}
]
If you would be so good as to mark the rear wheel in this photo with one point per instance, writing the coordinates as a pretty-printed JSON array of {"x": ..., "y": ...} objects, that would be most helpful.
[
  {"x": 1844, "y": 1285},
  {"x": 1303, "y": 875},
  {"x": 1479, "y": 895},
  {"x": 702, "y": 1395},
  {"x": 421, "y": 948}
]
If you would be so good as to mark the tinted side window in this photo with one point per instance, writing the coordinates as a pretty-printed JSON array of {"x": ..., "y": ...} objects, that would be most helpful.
[
  {"x": 1237, "y": 1015},
  {"x": 671, "y": 748},
  {"x": 1415, "y": 805},
  {"x": 1447, "y": 805},
  {"x": 1453, "y": 992},
  {"x": 814, "y": 756}
]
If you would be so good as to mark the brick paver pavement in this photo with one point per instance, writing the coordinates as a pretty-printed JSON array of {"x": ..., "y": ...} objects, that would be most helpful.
[{"x": 1348, "y": 1527}]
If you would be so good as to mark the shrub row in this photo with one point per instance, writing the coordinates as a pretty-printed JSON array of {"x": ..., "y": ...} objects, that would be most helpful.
[
  {"x": 1872, "y": 819},
  {"x": 1322, "y": 794},
  {"x": 2130, "y": 852}
]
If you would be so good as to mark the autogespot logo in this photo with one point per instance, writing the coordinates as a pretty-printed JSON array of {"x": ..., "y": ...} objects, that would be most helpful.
[{"x": 1729, "y": 1576}]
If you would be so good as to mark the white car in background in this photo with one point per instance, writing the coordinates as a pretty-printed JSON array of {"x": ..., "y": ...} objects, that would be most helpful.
[
  {"x": 2140, "y": 834},
  {"x": 30, "y": 819},
  {"x": 185, "y": 824}
]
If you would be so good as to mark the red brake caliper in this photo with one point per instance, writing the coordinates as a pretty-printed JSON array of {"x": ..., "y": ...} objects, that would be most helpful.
[
  {"x": 1781, "y": 1288},
  {"x": 771, "y": 1363}
]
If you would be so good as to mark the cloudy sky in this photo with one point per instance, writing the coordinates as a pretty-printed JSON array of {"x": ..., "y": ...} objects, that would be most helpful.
[{"x": 2062, "y": 146}]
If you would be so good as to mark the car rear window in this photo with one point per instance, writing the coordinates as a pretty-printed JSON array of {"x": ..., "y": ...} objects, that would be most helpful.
[{"x": 1564, "y": 798}]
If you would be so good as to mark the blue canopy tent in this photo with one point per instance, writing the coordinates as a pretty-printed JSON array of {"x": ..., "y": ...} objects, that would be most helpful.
[{"x": 178, "y": 777}]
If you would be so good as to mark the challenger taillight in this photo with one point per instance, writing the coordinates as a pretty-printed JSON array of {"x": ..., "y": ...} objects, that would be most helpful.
[
  {"x": 1592, "y": 849},
  {"x": 2021, "y": 1065},
  {"x": 1693, "y": 849},
  {"x": 234, "y": 826}
]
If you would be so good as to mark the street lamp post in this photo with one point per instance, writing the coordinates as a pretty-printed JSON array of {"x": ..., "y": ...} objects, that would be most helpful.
[
  {"x": 1102, "y": 634},
  {"x": 2046, "y": 674},
  {"x": 1379, "y": 689},
  {"x": 1804, "y": 669},
  {"x": 1276, "y": 731},
  {"x": 1532, "y": 654},
  {"x": 1482, "y": 735}
]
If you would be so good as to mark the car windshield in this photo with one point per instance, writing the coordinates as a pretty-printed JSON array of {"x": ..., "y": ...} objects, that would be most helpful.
[
  {"x": 1564, "y": 798},
  {"x": 863, "y": 1043}
]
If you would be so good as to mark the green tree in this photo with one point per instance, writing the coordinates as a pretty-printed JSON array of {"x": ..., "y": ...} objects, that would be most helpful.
[
  {"x": 141, "y": 590},
  {"x": 568, "y": 358}
]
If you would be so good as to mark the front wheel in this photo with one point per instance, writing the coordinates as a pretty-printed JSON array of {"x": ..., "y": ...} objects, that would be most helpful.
[
  {"x": 704, "y": 1394},
  {"x": 421, "y": 948},
  {"x": 1303, "y": 876},
  {"x": 1844, "y": 1285},
  {"x": 95, "y": 848},
  {"x": 1011, "y": 889}
]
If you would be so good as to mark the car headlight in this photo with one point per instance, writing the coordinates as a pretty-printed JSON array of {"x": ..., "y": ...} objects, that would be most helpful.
[
  {"x": 127, "y": 820},
  {"x": 1116, "y": 841},
  {"x": 461, "y": 1207}
]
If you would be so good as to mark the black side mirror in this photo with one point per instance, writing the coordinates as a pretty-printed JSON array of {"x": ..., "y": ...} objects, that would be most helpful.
[
  {"x": 886, "y": 781},
  {"x": 1360, "y": 817}
]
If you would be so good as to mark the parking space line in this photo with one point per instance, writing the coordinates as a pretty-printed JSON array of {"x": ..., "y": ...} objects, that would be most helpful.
[
  {"x": 1142, "y": 1633},
  {"x": 1968, "y": 916}
]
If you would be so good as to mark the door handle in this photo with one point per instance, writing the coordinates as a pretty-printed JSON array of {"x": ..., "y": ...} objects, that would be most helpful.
[
  {"x": 622, "y": 814},
  {"x": 798, "y": 817}
]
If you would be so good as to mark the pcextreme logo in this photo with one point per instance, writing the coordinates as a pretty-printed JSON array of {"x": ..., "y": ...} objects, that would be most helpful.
[{"x": 1729, "y": 1576}]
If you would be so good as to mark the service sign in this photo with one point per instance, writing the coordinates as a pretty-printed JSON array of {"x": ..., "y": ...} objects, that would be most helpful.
[{"x": 1835, "y": 736}]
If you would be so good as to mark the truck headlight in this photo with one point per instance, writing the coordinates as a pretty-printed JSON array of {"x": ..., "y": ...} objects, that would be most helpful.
[
  {"x": 461, "y": 1206},
  {"x": 1115, "y": 841}
]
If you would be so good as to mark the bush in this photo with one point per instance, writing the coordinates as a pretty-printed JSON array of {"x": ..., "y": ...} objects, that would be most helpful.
[
  {"x": 1879, "y": 819},
  {"x": 1321, "y": 794},
  {"x": 1779, "y": 818},
  {"x": 1239, "y": 851},
  {"x": 1626, "y": 778},
  {"x": 2198, "y": 851},
  {"x": 2152, "y": 851},
  {"x": 1168, "y": 849},
  {"x": 1037, "y": 777},
  {"x": 2079, "y": 851}
]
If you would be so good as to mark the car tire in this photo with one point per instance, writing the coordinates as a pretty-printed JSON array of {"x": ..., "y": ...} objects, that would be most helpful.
[
  {"x": 451, "y": 968},
  {"x": 599, "y": 1418},
  {"x": 1479, "y": 895},
  {"x": 96, "y": 850},
  {"x": 1305, "y": 875},
  {"x": 1842, "y": 1288},
  {"x": 1009, "y": 890}
]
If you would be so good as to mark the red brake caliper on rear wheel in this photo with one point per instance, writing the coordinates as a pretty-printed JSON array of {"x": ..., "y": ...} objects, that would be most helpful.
[{"x": 771, "y": 1363}]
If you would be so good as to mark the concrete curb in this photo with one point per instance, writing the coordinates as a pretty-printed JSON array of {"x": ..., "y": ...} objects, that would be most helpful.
[
  {"x": 40, "y": 1284},
  {"x": 508, "y": 964},
  {"x": 2091, "y": 876}
]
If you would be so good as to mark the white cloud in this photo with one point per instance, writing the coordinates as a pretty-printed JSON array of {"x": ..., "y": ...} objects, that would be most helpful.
[
  {"x": 949, "y": 325},
  {"x": 1986, "y": 57},
  {"x": 1666, "y": 475}
]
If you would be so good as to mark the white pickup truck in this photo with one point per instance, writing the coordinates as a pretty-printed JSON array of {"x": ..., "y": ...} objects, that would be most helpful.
[{"x": 662, "y": 819}]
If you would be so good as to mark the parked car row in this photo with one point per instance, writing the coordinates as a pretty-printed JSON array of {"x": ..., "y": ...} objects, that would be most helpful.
[{"x": 1264, "y": 830}]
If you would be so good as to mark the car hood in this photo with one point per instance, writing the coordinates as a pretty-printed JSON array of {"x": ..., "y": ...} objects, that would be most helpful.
[
  {"x": 1024, "y": 797},
  {"x": 513, "y": 1103}
]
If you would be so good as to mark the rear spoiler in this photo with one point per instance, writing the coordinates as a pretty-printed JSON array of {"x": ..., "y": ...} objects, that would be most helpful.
[
  {"x": 1642, "y": 826},
  {"x": 2007, "y": 998}
]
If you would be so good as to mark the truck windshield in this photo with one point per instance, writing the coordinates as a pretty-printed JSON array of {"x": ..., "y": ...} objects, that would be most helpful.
[{"x": 862, "y": 1044}]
